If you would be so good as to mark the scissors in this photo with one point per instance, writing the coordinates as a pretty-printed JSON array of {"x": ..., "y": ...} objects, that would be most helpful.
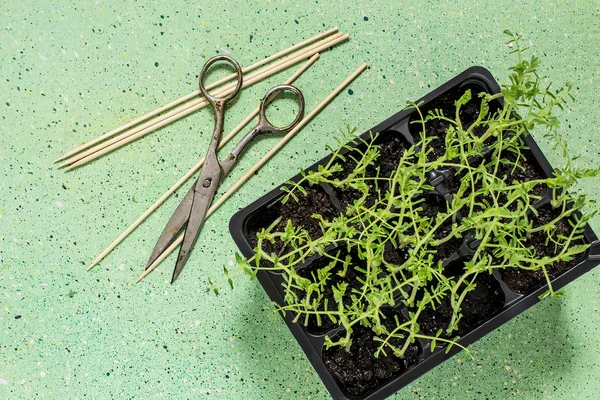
[{"x": 192, "y": 211}]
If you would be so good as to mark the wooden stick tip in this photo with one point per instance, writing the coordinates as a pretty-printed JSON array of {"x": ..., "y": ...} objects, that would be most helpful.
[
  {"x": 142, "y": 276},
  {"x": 94, "y": 263}
]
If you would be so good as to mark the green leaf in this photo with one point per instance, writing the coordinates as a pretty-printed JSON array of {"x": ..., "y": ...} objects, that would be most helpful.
[
  {"x": 339, "y": 291},
  {"x": 213, "y": 287},
  {"x": 464, "y": 99}
]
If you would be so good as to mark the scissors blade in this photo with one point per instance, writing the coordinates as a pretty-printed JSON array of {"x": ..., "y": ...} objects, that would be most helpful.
[
  {"x": 200, "y": 205},
  {"x": 175, "y": 224}
]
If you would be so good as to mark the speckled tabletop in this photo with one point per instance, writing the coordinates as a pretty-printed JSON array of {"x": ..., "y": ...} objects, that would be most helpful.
[{"x": 74, "y": 70}]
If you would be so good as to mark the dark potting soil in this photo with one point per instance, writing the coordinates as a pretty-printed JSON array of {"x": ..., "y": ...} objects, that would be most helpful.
[
  {"x": 299, "y": 212},
  {"x": 358, "y": 371},
  {"x": 448, "y": 248},
  {"x": 432, "y": 205},
  {"x": 352, "y": 278},
  {"x": 394, "y": 255},
  {"x": 525, "y": 281},
  {"x": 454, "y": 182},
  {"x": 525, "y": 171},
  {"x": 479, "y": 305},
  {"x": 392, "y": 146},
  {"x": 446, "y": 103},
  {"x": 348, "y": 196}
]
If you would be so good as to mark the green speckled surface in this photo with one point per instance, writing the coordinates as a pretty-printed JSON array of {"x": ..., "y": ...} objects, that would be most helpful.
[{"x": 74, "y": 70}]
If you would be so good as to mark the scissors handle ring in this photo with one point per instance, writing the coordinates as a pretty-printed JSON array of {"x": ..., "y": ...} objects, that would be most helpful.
[
  {"x": 221, "y": 100},
  {"x": 269, "y": 96}
]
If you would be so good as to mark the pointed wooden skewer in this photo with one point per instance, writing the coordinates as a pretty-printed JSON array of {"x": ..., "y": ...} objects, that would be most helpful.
[
  {"x": 196, "y": 93},
  {"x": 192, "y": 171},
  {"x": 182, "y": 111},
  {"x": 260, "y": 163}
]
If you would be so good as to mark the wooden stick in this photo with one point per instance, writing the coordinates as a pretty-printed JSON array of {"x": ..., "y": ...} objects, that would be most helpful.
[
  {"x": 196, "y": 93},
  {"x": 192, "y": 171},
  {"x": 178, "y": 112},
  {"x": 189, "y": 108},
  {"x": 260, "y": 163}
]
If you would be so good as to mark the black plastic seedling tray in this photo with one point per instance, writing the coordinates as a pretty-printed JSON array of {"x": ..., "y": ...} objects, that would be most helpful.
[{"x": 514, "y": 302}]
